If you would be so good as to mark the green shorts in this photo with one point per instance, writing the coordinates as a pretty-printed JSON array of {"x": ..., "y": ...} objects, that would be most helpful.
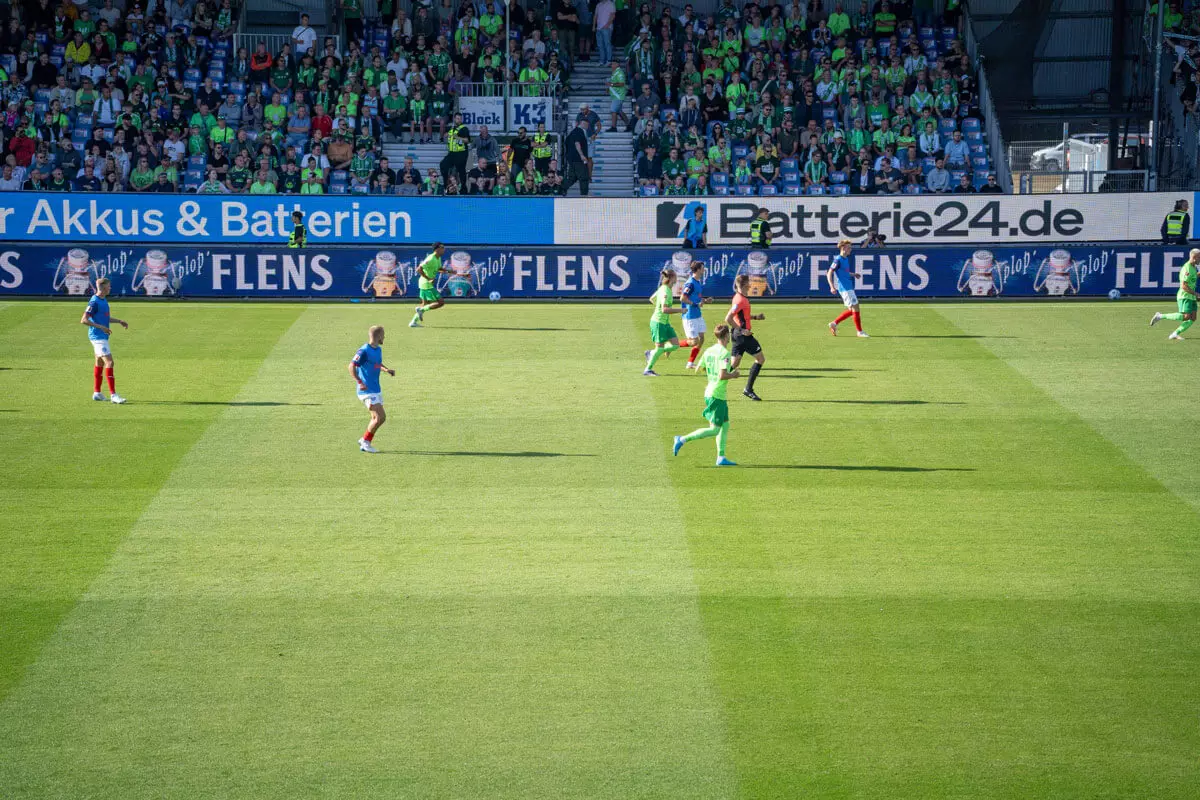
[
  {"x": 662, "y": 332},
  {"x": 430, "y": 295},
  {"x": 716, "y": 411},
  {"x": 1187, "y": 305}
]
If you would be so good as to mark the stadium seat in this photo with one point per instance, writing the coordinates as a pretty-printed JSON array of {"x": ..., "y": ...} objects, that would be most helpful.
[
  {"x": 197, "y": 162},
  {"x": 981, "y": 162},
  {"x": 946, "y": 126},
  {"x": 789, "y": 165},
  {"x": 977, "y": 150},
  {"x": 829, "y": 112},
  {"x": 740, "y": 151},
  {"x": 339, "y": 188},
  {"x": 816, "y": 190},
  {"x": 793, "y": 189},
  {"x": 193, "y": 176},
  {"x": 744, "y": 190},
  {"x": 719, "y": 179},
  {"x": 927, "y": 163},
  {"x": 649, "y": 191},
  {"x": 956, "y": 175},
  {"x": 238, "y": 87},
  {"x": 971, "y": 124},
  {"x": 720, "y": 191},
  {"x": 768, "y": 190},
  {"x": 925, "y": 32},
  {"x": 840, "y": 190},
  {"x": 837, "y": 177},
  {"x": 191, "y": 74},
  {"x": 912, "y": 189},
  {"x": 974, "y": 136},
  {"x": 790, "y": 175}
]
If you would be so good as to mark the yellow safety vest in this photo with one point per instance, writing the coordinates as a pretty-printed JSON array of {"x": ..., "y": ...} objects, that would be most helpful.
[
  {"x": 541, "y": 145},
  {"x": 456, "y": 144},
  {"x": 758, "y": 231},
  {"x": 297, "y": 237},
  {"x": 1175, "y": 223}
]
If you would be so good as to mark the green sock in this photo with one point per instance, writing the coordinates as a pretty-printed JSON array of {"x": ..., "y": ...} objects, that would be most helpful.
[
  {"x": 1183, "y": 326},
  {"x": 722, "y": 436},
  {"x": 1174, "y": 316},
  {"x": 416, "y": 318},
  {"x": 669, "y": 346},
  {"x": 702, "y": 433}
]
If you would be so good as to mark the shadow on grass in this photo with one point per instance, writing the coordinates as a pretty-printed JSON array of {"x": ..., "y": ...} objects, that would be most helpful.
[
  {"x": 487, "y": 454},
  {"x": 877, "y": 402},
  {"x": 499, "y": 328},
  {"x": 768, "y": 370},
  {"x": 856, "y": 468},
  {"x": 942, "y": 336},
  {"x": 232, "y": 403},
  {"x": 18, "y": 369}
]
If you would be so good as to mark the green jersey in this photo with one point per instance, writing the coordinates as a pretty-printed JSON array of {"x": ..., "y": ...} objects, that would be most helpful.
[
  {"x": 428, "y": 271},
  {"x": 1187, "y": 280},
  {"x": 662, "y": 301},
  {"x": 715, "y": 359}
]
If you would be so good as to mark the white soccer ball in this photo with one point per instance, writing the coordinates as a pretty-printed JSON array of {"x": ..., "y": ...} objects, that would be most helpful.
[
  {"x": 1114, "y": 294},
  {"x": 494, "y": 296}
]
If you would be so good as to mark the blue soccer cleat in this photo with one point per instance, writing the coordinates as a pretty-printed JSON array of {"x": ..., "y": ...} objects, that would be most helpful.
[
  {"x": 725, "y": 462},
  {"x": 677, "y": 446}
]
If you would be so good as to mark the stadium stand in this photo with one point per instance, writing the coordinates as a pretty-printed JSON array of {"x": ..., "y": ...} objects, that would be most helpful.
[{"x": 751, "y": 99}]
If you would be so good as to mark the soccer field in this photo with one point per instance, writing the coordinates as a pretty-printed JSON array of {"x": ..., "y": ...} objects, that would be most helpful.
[{"x": 959, "y": 559}]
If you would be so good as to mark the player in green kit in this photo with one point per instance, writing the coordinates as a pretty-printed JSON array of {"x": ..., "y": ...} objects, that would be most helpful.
[
  {"x": 427, "y": 272},
  {"x": 661, "y": 333},
  {"x": 716, "y": 365},
  {"x": 1185, "y": 298}
]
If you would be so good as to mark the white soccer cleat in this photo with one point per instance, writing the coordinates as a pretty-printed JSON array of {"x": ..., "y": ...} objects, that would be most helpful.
[
  {"x": 98, "y": 396},
  {"x": 414, "y": 324},
  {"x": 1155, "y": 319},
  {"x": 116, "y": 398},
  {"x": 864, "y": 335},
  {"x": 366, "y": 446},
  {"x": 833, "y": 328},
  {"x": 1174, "y": 337},
  {"x": 690, "y": 365}
]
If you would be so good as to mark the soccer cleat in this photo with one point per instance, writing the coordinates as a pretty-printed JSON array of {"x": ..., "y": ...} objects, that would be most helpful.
[
  {"x": 98, "y": 396},
  {"x": 421, "y": 313},
  {"x": 863, "y": 335},
  {"x": 750, "y": 393},
  {"x": 116, "y": 398},
  {"x": 675, "y": 448},
  {"x": 722, "y": 461},
  {"x": 414, "y": 324},
  {"x": 1175, "y": 337},
  {"x": 690, "y": 365},
  {"x": 650, "y": 373},
  {"x": 366, "y": 446},
  {"x": 1155, "y": 319},
  {"x": 833, "y": 328}
]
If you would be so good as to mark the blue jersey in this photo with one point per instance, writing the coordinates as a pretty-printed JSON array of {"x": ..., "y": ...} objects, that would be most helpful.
[
  {"x": 695, "y": 230},
  {"x": 841, "y": 273},
  {"x": 693, "y": 290},
  {"x": 368, "y": 361},
  {"x": 97, "y": 312}
]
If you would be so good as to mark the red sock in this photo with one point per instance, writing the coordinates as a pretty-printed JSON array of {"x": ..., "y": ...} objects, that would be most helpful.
[
  {"x": 112, "y": 382},
  {"x": 368, "y": 436},
  {"x": 692, "y": 357},
  {"x": 97, "y": 372},
  {"x": 845, "y": 316},
  {"x": 857, "y": 321}
]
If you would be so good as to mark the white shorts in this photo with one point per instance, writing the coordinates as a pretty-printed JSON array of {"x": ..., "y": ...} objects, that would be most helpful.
[
  {"x": 369, "y": 400},
  {"x": 849, "y": 298},
  {"x": 693, "y": 327},
  {"x": 101, "y": 347}
]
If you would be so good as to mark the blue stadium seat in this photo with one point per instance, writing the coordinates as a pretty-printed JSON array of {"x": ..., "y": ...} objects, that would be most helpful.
[
  {"x": 840, "y": 190},
  {"x": 740, "y": 151},
  {"x": 949, "y": 33},
  {"x": 790, "y": 175},
  {"x": 42, "y": 96},
  {"x": 768, "y": 190},
  {"x": 977, "y": 150},
  {"x": 816, "y": 190},
  {"x": 970, "y": 124},
  {"x": 927, "y": 164},
  {"x": 829, "y": 112},
  {"x": 339, "y": 188},
  {"x": 912, "y": 189},
  {"x": 973, "y": 137},
  {"x": 980, "y": 175},
  {"x": 238, "y": 88},
  {"x": 946, "y": 126},
  {"x": 720, "y": 191},
  {"x": 191, "y": 74},
  {"x": 956, "y": 175},
  {"x": 719, "y": 179},
  {"x": 789, "y": 165},
  {"x": 744, "y": 190},
  {"x": 84, "y": 120},
  {"x": 198, "y": 162},
  {"x": 793, "y": 189},
  {"x": 193, "y": 176},
  {"x": 649, "y": 191},
  {"x": 981, "y": 162},
  {"x": 925, "y": 32},
  {"x": 837, "y": 177}
]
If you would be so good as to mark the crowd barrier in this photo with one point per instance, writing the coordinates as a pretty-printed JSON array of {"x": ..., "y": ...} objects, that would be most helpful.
[
  {"x": 631, "y": 273},
  {"x": 206, "y": 220}
]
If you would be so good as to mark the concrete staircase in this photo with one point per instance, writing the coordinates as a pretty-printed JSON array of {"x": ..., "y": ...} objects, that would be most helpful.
[
  {"x": 613, "y": 170},
  {"x": 424, "y": 156}
]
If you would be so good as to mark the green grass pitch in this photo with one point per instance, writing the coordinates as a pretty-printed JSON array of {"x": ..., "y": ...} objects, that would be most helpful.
[{"x": 959, "y": 559}]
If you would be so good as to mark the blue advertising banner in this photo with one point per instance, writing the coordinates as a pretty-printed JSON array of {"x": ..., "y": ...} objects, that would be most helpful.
[
  {"x": 583, "y": 272},
  {"x": 266, "y": 219}
]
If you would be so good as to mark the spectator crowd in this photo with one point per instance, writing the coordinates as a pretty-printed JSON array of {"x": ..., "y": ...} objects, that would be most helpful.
[{"x": 155, "y": 96}]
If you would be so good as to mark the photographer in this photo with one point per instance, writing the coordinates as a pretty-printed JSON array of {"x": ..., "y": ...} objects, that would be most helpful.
[{"x": 874, "y": 239}]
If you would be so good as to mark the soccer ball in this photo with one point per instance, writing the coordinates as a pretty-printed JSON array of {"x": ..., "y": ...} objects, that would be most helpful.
[
  {"x": 1114, "y": 294},
  {"x": 494, "y": 296}
]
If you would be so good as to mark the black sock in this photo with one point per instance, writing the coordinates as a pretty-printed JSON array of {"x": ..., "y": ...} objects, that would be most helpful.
[{"x": 754, "y": 370}]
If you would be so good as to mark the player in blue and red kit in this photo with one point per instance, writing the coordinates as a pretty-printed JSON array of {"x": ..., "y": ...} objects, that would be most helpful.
[
  {"x": 365, "y": 369},
  {"x": 99, "y": 320},
  {"x": 691, "y": 299},
  {"x": 841, "y": 282}
]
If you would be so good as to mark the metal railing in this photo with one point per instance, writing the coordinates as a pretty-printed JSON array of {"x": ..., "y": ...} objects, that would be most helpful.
[
  {"x": 1083, "y": 181},
  {"x": 276, "y": 41},
  {"x": 991, "y": 123}
]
